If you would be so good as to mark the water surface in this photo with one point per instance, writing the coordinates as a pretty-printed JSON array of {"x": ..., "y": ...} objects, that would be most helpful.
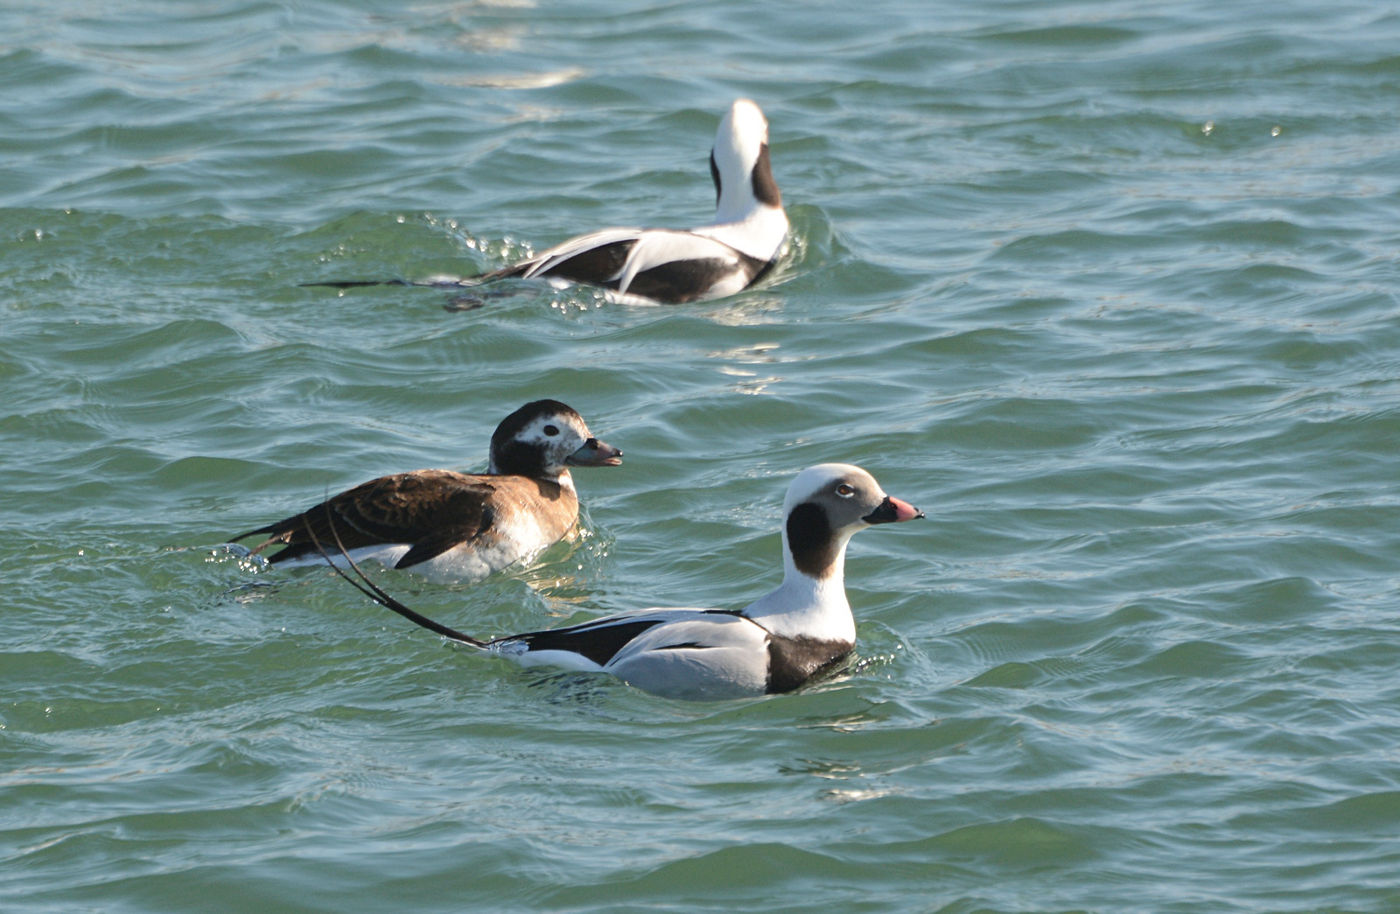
[{"x": 1107, "y": 289}]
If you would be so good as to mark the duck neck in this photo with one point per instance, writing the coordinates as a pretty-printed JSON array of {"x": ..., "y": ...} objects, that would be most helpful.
[
  {"x": 525, "y": 464},
  {"x": 808, "y": 603},
  {"x": 758, "y": 231}
]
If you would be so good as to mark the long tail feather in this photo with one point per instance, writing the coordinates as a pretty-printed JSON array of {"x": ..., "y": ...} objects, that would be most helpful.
[
  {"x": 360, "y": 283},
  {"x": 377, "y": 593},
  {"x": 353, "y": 283}
]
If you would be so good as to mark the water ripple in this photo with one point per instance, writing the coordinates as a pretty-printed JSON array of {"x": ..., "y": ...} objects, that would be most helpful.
[{"x": 1107, "y": 291}]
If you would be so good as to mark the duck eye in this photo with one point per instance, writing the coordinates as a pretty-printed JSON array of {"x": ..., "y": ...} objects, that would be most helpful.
[
  {"x": 845, "y": 491},
  {"x": 551, "y": 430}
]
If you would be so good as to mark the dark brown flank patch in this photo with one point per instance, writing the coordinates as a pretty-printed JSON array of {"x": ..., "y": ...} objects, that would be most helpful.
[
  {"x": 687, "y": 280},
  {"x": 547, "y": 489}
]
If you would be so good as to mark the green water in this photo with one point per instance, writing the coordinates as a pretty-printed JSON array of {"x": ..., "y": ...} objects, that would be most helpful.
[{"x": 1107, "y": 289}]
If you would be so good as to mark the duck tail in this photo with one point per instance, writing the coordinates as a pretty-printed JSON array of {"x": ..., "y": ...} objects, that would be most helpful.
[
  {"x": 362, "y": 582},
  {"x": 449, "y": 283},
  {"x": 353, "y": 283}
]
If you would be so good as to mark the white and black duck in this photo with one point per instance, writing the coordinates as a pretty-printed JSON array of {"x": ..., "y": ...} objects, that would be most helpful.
[
  {"x": 727, "y": 256},
  {"x": 795, "y": 633},
  {"x": 458, "y": 525}
]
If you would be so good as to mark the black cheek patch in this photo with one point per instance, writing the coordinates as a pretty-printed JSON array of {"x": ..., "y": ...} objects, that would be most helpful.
[
  {"x": 765, "y": 189},
  {"x": 517, "y": 458},
  {"x": 810, "y": 539}
]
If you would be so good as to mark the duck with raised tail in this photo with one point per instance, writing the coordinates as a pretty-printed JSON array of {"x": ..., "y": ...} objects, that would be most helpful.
[
  {"x": 671, "y": 266},
  {"x": 458, "y": 526},
  {"x": 779, "y": 642}
]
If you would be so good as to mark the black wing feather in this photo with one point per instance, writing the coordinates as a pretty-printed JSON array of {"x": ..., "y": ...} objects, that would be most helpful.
[{"x": 599, "y": 642}]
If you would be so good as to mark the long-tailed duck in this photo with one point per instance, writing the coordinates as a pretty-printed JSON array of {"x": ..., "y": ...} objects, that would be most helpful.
[
  {"x": 671, "y": 265},
  {"x": 797, "y": 632},
  {"x": 457, "y": 525}
]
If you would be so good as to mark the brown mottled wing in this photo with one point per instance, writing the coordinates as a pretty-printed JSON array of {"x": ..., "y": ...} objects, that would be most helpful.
[{"x": 429, "y": 510}]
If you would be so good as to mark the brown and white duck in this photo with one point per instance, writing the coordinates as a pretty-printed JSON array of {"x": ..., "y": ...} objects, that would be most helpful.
[{"x": 454, "y": 525}]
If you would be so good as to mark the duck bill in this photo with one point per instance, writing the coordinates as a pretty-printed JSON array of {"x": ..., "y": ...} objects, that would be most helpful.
[
  {"x": 892, "y": 511},
  {"x": 595, "y": 453}
]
